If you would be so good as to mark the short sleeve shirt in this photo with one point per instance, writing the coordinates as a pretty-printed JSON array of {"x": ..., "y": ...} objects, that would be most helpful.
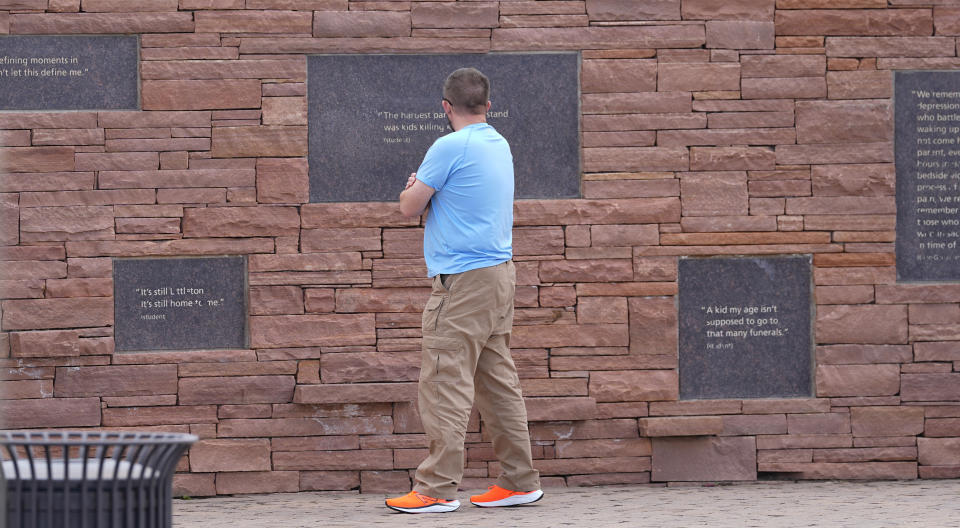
[{"x": 470, "y": 222}]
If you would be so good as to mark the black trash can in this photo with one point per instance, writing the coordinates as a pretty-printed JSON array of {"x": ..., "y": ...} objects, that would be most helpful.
[{"x": 89, "y": 479}]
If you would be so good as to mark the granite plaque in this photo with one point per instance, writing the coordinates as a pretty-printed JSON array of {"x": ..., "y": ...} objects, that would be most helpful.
[
  {"x": 39, "y": 72},
  {"x": 180, "y": 303},
  {"x": 927, "y": 146},
  {"x": 373, "y": 117},
  {"x": 745, "y": 327}
]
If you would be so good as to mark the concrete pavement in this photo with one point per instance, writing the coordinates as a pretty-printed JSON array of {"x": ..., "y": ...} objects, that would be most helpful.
[{"x": 888, "y": 504}]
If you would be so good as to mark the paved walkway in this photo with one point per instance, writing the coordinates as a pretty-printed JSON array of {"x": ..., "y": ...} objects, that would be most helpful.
[{"x": 918, "y": 503}]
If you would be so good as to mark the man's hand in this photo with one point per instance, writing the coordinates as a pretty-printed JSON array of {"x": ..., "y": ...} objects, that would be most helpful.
[
  {"x": 415, "y": 197},
  {"x": 410, "y": 180}
]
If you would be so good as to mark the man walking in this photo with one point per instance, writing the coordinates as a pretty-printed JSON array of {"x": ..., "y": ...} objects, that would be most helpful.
[{"x": 467, "y": 179}]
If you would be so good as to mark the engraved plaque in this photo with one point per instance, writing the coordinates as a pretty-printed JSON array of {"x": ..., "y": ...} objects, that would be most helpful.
[
  {"x": 373, "y": 117},
  {"x": 180, "y": 303},
  {"x": 745, "y": 327}
]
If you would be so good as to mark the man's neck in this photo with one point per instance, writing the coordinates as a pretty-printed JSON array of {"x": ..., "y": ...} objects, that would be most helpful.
[{"x": 462, "y": 122}]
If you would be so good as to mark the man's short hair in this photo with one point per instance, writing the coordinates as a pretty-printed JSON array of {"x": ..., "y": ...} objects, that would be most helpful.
[{"x": 469, "y": 89}]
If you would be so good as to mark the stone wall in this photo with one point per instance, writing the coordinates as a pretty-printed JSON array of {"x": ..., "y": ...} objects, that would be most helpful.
[{"x": 742, "y": 127}]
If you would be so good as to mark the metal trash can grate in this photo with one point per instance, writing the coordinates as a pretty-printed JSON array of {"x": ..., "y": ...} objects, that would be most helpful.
[{"x": 89, "y": 479}]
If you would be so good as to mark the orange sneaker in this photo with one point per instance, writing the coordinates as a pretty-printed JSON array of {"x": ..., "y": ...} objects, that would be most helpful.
[
  {"x": 497, "y": 496},
  {"x": 416, "y": 502}
]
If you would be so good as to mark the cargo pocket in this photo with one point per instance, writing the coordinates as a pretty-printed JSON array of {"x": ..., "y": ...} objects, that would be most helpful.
[
  {"x": 441, "y": 359},
  {"x": 431, "y": 313}
]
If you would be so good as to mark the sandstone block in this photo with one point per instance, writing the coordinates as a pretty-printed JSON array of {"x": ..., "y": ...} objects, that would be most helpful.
[
  {"x": 825, "y": 423},
  {"x": 557, "y": 296},
  {"x": 636, "y": 102},
  {"x": 659, "y": 187},
  {"x": 39, "y": 314},
  {"x": 832, "y": 121},
  {"x": 560, "y": 409},
  {"x": 586, "y": 466},
  {"x": 341, "y": 239},
  {"x": 754, "y": 424},
  {"x": 784, "y": 88},
  {"x": 240, "y": 221},
  {"x": 858, "y": 380},
  {"x": 864, "y": 84},
  {"x": 342, "y": 24},
  {"x": 320, "y": 300},
  {"x": 887, "y": 421},
  {"x": 714, "y": 193},
  {"x": 862, "y": 354},
  {"x": 96, "y": 23},
  {"x": 9, "y": 221},
  {"x": 37, "y": 159},
  {"x": 254, "y": 21},
  {"x": 624, "y": 235},
  {"x": 931, "y": 387},
  {"x": 704, "y": 459},
  {"x": 591, "y": 310},
  {"x": 734, "y": 10},
  {"x": 363, "y": 367},
  {"x": 823, "y": 154},
  {"x": 853, "y": 180},
  {"x": 360, "y": 393},
  {"x": 740, "y": 34},
  {"x": 731, "y": 158},
  {"x": 164, "y": 415},
  {"x": 723, "y": 137},
  {"x": 276, "y": 300},
  {"x": 258, "y": 482},
  {"x": 367, "y": 459},
  {"x": 614, "y": 10},
  {"x": 329, "y": 480},
  {"x": 918, "y": 293},
  {"x": 936, "y": 351},
  {"x": 681, "y": 426},
  {"x": 782, "y": 66},
  {"x": 942, "y": 427},
  {"x": 572, "y": 212},
  {"x": 66, "y": 223},
  {"x": 455, "y": 15},
  {"x": 381, "y": 300},
  {"x": 284, "y": 110},
  {"x": 538, "y": 241},
  {"x": 120, "y": 161},
  {"x": 564, "y": 335},
  {"x": 600, "y": 270},
  {"x": 634, "y": 385},
  {"x": 939, "y": 451},
  {"x": 604, "y": 159},
  {"x": 236, "y": 390},
  {"x": 50, "y": 412},
  {"x": 200, "y": 94},
  {"x": 615, "y": 447},
  {"x": 875, "y": 324},
  {"x": 116, "y": 380},
  {"x": 698, "y": 77},
  {"x": 212, "y": 455},
  {"x": 653, "y": 326},
  {"x": 890, "y": 47},
  {"x": 855, "y": 22},
  {"x": 259, "y": 141},
  {"x": 619, "y": 75}
]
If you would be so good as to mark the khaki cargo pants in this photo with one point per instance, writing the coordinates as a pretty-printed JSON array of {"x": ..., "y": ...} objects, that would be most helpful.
[{"x": 466, "y": 351}]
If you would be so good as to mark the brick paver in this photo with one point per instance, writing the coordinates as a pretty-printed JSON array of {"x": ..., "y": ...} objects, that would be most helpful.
[{"x": 918, "y": 503}]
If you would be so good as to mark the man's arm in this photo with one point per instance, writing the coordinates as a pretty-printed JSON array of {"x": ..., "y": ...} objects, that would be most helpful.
[{"x": 415, "y": 197}]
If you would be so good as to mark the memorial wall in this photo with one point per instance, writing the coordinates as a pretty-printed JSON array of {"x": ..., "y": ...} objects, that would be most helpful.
[{"x": 735, "y": 233}]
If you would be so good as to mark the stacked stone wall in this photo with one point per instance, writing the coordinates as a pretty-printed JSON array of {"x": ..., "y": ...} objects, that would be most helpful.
[{"x": 741, "y": 127}]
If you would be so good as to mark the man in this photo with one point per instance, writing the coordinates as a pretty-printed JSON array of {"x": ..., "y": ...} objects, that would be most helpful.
[{"x": 467, "y": 179}]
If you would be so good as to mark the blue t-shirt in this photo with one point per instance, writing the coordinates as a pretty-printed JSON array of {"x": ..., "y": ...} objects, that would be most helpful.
[{"x": 470, "y": 222}]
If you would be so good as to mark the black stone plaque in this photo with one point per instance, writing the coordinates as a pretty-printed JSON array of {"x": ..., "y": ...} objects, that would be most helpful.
[
  {"x": 927, "y": 145},
  {"x": 745, "y": 327},
  {"x": 39, "y": 72},
  {"x": 180, "y": 303},
  {"x": 373, "y": 117}
]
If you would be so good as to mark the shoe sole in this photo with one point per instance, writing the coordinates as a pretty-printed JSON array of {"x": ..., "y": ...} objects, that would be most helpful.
[
  {"x": 515, "y": 500},
  {"x": 433, "y": 508}
]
